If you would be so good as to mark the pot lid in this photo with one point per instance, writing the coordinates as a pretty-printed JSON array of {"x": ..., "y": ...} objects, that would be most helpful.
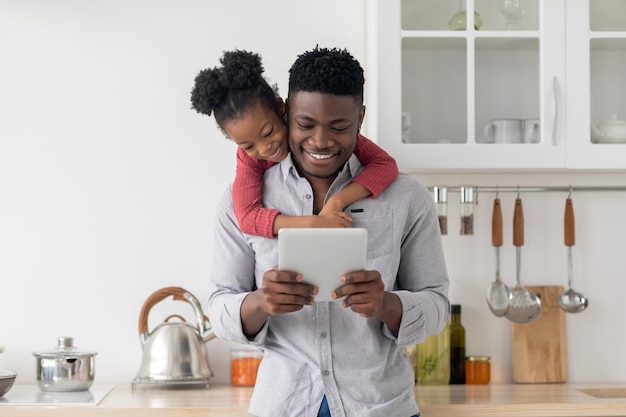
[{"x": 65, "y": 348}]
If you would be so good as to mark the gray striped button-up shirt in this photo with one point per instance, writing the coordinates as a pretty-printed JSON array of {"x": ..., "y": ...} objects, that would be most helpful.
[{"x": 324, "y": 349}]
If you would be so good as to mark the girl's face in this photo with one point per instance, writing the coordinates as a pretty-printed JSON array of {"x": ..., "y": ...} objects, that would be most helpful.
[{"x": 261, "y": 133}]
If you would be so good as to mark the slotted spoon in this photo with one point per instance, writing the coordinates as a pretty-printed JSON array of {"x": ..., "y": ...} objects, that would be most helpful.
[{"x": 525, "y": 306}]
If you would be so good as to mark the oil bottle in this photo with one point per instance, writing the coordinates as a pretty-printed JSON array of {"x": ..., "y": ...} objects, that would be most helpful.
[{"x": 433, "y": 359}]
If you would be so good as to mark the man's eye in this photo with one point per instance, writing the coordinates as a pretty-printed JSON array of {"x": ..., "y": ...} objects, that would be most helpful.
[
  {"x": 340, "y": 129},
  {"x": 304, "y": 126}
]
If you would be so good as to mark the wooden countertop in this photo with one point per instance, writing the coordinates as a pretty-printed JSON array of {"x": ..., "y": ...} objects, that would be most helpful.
[{"x": 496, "y": 400}]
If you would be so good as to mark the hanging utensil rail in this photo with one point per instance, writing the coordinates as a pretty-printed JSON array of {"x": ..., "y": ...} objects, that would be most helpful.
[{"x": 542, "y": 189}]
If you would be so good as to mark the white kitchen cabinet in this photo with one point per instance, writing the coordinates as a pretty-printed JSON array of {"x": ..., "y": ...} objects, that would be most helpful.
[{"x": 432, "y": 90}]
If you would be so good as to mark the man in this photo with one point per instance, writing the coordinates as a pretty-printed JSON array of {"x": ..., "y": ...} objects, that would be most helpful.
[{"x": 345, "y": 356}]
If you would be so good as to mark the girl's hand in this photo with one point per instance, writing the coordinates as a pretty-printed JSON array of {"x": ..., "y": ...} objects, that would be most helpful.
[{"x": 334, "y": 219}]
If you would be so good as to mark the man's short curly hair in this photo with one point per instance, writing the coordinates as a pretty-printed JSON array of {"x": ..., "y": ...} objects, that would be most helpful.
[{"x": 331, "y": 71}]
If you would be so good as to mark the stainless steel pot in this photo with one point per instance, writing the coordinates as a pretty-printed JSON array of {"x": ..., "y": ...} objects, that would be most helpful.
[
  {"x": 174, "y": 352},
  {"x": 65, "y": 367}
]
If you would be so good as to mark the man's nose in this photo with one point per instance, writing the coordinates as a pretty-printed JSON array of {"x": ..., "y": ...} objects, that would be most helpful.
[{"x": 319, "y": 138}]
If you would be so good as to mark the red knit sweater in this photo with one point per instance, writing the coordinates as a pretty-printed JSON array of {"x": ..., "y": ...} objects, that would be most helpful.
[{"x": 380, "y": 171}]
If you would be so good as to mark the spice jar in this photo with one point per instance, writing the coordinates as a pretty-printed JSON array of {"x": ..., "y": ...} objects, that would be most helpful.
[
  {"x": 244, "y": 364},
  {"x": 467, "y": 210},
  {"x": 440, "y": 195},
  {"x": 477, "y": 370}
]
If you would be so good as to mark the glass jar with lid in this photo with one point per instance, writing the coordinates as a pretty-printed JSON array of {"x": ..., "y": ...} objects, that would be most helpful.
[{"x": 477, "y": 370}]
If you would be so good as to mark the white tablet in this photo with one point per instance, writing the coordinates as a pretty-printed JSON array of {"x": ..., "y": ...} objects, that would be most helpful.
[{"x": 322, "y": 255}]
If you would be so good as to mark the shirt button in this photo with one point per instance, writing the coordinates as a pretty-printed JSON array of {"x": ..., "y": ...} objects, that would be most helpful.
[
  {"x": 308, "y": 196},
  {"x": 325, "y": 373},
  {"x": 323, "y": 335}
]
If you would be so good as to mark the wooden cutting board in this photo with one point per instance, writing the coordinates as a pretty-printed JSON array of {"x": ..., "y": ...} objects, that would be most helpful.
[{"x": 540, "y": 347}]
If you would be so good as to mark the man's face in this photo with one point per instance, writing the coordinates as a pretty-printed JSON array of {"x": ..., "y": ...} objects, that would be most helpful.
[{"x": 322, "y": 131}]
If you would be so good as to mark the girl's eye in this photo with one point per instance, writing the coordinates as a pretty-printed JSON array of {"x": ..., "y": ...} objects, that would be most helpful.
[
  {"x": 247, "y": 148},
  {"x": 268, "y": 134}
]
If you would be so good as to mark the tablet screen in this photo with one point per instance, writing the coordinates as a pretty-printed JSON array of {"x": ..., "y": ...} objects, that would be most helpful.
[{"x": 322, "y": 255}]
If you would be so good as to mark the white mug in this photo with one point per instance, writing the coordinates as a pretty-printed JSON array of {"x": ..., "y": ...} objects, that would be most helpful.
[
  {"x": 532, "y": 131},
  {"x": 504, "y": 131}
]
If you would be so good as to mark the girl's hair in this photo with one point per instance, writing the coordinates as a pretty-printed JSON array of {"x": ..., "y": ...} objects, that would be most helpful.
[
  {"x": 232, "y": 89},
  {"x": 331, "y": 71}
]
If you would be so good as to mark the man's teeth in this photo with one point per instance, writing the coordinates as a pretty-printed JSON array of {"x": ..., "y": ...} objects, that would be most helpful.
[{"x": 318, "y": 156}]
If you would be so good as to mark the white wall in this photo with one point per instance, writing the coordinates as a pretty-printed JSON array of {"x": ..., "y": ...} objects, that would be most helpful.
[{"x": 108, "y": 182}]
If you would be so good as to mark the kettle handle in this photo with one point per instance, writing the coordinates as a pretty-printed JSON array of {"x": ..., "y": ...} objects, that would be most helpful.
[{"x": 179, "y": 294}]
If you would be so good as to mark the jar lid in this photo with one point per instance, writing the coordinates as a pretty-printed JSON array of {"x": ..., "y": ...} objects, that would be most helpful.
[
  {"x": 478, "y": 358},
  {"x": 65, "y": 348},
  {"x": 467, "y": 195},
  {"x": 440, "y": 194}
]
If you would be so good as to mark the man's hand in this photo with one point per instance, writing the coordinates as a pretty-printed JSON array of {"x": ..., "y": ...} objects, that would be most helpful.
[
  {"x": 284, "y": 292},
  {"x": 281, "y": 292},
  {"x": 365, "y": 294}
]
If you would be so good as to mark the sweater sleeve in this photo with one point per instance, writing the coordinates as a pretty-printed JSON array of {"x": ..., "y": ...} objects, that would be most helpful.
[
  {"x": 380, "y": 168},
  {"x": 253, "y": 218}
]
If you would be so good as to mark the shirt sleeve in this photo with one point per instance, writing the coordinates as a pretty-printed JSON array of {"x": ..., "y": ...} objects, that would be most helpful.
[
  {"x": 253, "y": 218},
  {"x": 230, "y": 282},
  {"x": 422, "y": 278},
  {"x": 380, "y": 168}
]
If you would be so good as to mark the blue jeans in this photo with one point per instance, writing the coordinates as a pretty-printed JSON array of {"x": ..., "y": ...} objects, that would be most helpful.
[{"x": 325, "y": 412}]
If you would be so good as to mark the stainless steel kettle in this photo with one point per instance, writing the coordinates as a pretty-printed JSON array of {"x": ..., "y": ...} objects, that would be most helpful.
[{"x": 174, "y": 352}]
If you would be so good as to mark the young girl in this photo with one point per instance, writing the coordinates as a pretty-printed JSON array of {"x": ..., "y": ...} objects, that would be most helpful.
[{"x": 249, "y": 111}]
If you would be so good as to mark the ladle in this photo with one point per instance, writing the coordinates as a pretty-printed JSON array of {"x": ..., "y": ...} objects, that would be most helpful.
[
  {"x": 571, "y": 301},
  {"x": 498, "y": 294},
  {"x": 525, "y": 306}
]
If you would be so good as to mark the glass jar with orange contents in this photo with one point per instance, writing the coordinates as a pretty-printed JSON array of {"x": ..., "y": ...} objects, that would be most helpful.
[
  {"x": 477, "y": 370},
  {"x": 244, "y": 364}
]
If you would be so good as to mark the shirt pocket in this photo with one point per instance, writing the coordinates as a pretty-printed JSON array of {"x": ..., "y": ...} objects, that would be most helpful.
[{"x": 379, "y": 224}]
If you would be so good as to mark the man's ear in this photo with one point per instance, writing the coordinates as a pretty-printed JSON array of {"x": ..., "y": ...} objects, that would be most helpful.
[{"x": 361, "y": 116}]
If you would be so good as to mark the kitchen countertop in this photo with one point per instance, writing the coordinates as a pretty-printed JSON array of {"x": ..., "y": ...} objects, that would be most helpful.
[{"x": 501, "y": 400}]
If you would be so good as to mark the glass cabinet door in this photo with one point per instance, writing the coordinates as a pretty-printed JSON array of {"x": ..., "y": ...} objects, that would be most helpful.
[
  {"x": 596, "y": 66},
  {"x": 478, "y": 92}
]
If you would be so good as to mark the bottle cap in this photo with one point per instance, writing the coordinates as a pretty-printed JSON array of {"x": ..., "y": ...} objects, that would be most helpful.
[{"x": 456, "y": 308}]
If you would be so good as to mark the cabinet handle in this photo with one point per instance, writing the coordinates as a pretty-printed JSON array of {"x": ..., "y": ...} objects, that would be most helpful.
[{"x": 557, "y": 97}]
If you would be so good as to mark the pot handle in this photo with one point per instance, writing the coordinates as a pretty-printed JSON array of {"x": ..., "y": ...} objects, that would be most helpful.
[{"x": 179, "y": 294}]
